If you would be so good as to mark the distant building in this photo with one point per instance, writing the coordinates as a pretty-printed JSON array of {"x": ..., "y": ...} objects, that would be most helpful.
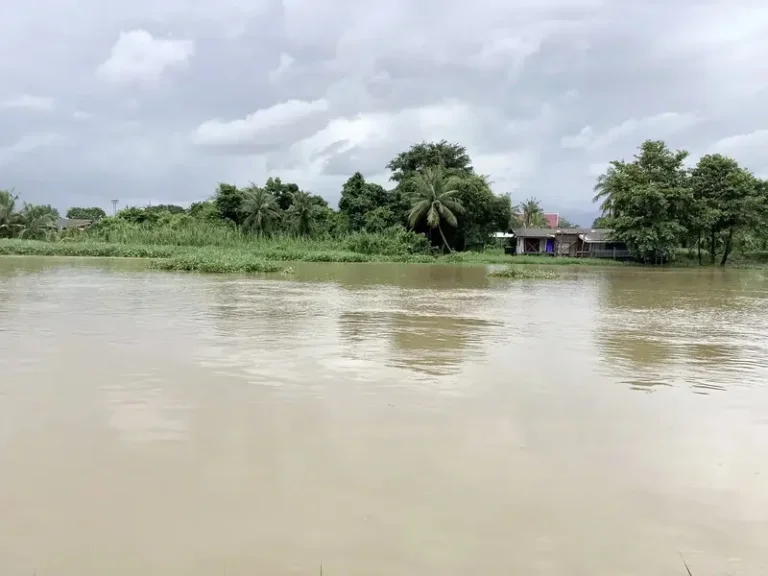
[
  {"x": 552, "y": 219},
  {"x": 72, "y": 224},
  {"x": 572, "y": 242}
]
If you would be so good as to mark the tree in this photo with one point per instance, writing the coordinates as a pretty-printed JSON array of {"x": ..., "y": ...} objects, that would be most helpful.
[
  {"x": 483, "y": 212},
  {"x": 93, "y": 214},
  {"x": 283, "y": 192},
  {"x": 360, "y": 198},
  {"x": 602, "y": 222},
  {"x": 137, "y": 215},
  {"x": 565, "y": 223},
  {"x": 648, "y": 199},
  {"x": 452, "y": 157},
  {"x": 728, "y": 200},
  {"x": 204, "y": 210},
  {"x": 228, "y": 200},
  {"x": 260, "y": 209},
  {"x": 169, "y": 208},
  {"x": 531, "y": 215},
  {"x": 434, "y": 200},
  {"x": 303, "y": 213},
  {"x": 38, "y": 221},
  {"x": 604, "y": 188},
  {"x": 10, "y": 220}
]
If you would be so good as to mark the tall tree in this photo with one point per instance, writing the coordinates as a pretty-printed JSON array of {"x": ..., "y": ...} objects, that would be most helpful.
[
  {"x": 728, "y": 199},
  {"x": 648, "y": 200},
  {"x": 303, "y": 213},
  {"x": 434, "y": 200},
  {"x": 359, "y": 199},
  {"x": 282, "y": 191},
  {"x": 260, "y": 210},
  {"x": 10, "y": 220},
  {"x": 38, "y": 221},
  {"x": 451, "y": 156},
  {"x": 531, "y": 215},
  {"x": 228, "y": 200}
]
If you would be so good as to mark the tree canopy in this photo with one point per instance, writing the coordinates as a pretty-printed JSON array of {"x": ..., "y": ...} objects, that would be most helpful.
[{"x": 655, "y": 203}]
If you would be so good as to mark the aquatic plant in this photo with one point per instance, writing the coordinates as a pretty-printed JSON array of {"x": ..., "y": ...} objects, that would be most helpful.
[{"x": 521, "y": 273}]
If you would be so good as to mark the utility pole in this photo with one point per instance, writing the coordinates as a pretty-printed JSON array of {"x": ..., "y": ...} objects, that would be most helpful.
[{"x": 114, "y": 207}]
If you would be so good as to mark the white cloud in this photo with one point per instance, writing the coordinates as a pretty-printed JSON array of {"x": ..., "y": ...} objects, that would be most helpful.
[
  {"x": 139, "y": 58},
  {"x": 29, "y": 143},
  {"x": 259, "y": 127},
  {"x": 379, "y": 134},
  {"x": 749, "y": 149},
  {"x": 658, "y": 126},
  {"x": 757, "y": 140},
  {"x": 286, "y": 61},
  {"x": 29, "y": 102}
]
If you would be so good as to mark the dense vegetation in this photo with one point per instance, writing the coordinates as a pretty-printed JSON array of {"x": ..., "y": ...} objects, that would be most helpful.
[
  {"x": 656, "y": 204},
  {"x": 438, "y": 204}
]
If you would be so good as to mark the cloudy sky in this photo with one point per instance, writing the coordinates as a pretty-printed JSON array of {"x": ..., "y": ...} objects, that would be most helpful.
[{"x": 158, "y": 100}]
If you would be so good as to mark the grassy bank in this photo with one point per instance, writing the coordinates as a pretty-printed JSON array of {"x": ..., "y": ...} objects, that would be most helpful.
[{"x": 251, "y": 255}]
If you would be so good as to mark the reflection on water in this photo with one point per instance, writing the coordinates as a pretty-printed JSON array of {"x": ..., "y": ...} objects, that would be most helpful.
[
  {"x": 383, "y": 419},
  {"x": 704, "y": 329}
]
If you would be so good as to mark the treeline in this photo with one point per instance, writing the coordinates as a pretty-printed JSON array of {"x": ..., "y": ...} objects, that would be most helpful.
[
  {"x": 436, "y": 192},
  {"x": 656, "y": 204}
]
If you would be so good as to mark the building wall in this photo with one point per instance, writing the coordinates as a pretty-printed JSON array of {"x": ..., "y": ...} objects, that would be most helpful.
[{"x": 521, "y": 245}]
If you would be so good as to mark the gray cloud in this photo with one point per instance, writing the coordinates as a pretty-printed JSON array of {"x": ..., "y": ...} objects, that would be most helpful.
[{"x": 148, "y": 101}]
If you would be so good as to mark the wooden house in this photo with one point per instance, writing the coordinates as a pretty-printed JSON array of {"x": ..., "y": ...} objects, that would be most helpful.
[{"x": 571, "y": 242}]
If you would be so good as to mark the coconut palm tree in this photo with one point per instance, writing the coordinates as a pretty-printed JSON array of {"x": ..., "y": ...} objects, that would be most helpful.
[
  {"x": 434, "y": 201},
  {"x": 38, "y": 221},
  {"x": 10, "y": 220},
  {"x": 303, "y": 212},
  {"x": 605, "y": 188},
  {"x": 260, "y": 210},
  {"x": 531, "y": 214}
]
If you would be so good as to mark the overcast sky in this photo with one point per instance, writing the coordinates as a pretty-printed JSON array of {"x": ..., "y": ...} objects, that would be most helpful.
[{"x": 158, "y": 100}]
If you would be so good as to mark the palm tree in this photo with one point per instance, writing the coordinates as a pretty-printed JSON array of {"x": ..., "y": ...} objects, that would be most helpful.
[
  {"x": 10, "y": 220},
  {"x": 303, "y": 212},
  {"x": 604, "y": 190},
  {"x": 531, "y": 214},
  {"x": 260, "y": 209},
  {"x": 434, "y": 201},
  {"x": 38, "y": 221}
]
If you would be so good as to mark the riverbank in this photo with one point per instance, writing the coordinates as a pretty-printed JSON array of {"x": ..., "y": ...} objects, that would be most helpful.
[{"x": 264, "y": 257}]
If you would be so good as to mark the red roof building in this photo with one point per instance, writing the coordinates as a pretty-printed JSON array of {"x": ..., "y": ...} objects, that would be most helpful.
[{"x": 553, "y": 220}]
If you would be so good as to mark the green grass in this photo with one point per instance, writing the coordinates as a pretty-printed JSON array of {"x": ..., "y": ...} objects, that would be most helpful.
[
  {"x": 253, "y": 255},
  {"x": 524, "y": 273},
  {"x": 224, "y": 264}
]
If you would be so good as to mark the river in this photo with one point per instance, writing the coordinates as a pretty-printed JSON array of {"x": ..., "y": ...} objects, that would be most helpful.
[{"x": 381, "y": 419}]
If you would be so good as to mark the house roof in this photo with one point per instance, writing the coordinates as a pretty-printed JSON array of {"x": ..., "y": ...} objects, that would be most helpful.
[
  {"x": 64, "y": 223},
  {"x": 599, "y": 235},
  {"x": 586, "y": 234},
  {"x": 534, "y": 232}
]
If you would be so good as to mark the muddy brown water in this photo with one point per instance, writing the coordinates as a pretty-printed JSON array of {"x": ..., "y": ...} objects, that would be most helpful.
[{"x": 381, "y": 419}]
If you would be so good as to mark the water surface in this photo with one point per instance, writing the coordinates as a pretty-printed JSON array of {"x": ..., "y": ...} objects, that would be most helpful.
[{"x": 381, "y": 419}]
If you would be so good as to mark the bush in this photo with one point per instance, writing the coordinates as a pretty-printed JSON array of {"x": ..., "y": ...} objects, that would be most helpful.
[{"x": 395, "y": 241}]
